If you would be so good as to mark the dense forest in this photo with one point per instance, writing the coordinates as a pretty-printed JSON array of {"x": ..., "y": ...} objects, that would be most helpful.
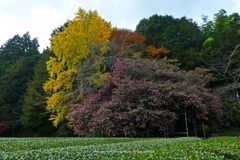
[{"x": 169, "y": 76}]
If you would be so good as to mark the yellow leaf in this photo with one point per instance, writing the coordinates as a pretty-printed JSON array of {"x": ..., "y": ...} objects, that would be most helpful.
[{"x": 70, "y": 47}]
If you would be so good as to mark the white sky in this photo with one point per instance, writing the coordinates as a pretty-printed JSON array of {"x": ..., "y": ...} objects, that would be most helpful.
[{"x": 40, "y": 17}]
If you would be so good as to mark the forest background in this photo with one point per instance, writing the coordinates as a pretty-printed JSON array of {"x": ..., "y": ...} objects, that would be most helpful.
[{"x": 97, "y": 80}]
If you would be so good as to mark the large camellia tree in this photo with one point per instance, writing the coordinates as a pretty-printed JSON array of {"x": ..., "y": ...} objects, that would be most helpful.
[{"x": 145, "y": 96}]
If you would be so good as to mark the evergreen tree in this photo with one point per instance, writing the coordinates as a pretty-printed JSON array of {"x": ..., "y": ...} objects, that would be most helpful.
[
  {"x": 181, "y": 36},
  {"x": 35, "y": 117},
  {"x": 18, "y": 56}
]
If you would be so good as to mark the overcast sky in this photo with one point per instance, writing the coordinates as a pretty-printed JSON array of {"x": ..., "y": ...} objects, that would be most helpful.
[{"x": 40, "y": 17}]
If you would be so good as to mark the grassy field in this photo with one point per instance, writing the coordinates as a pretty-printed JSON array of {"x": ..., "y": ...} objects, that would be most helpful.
[{"x": 119, "y": 148}]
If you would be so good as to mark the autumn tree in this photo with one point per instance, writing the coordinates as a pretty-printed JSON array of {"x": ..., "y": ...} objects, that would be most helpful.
[
  {"x": 143, "y": 97},
  {"x": 126, "y": 42},
  {"x": 157, "y": 53},
  {"x": 71, "y": 47}
]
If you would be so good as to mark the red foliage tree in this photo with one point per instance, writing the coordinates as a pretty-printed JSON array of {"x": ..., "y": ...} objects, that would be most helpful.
[
  {"x": 127, "y": 42},
  {"x": 144, "y": 96},
  {"x": 156, "y": 52}
]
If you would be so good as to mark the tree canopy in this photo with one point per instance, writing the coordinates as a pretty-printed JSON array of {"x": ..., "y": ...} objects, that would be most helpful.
[
  {"x": 181, "y": 36},
  {"x": 144, "y": 96},
  {"x": 221, "y": 54},
  {"x": 35, "y": 116},
  {"x": 17, "y": 59},
  {"x": 70, "y": 47}
]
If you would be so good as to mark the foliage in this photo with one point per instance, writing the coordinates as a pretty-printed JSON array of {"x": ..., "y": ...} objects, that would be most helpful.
[
  {"x": 17, "y": 59},
  {"x": 119, "y": 148},
  {"x": 85, "y": 49},
  {"x": 35, "y": 117},
  {"x": 223, "y": 31},
  {"x": 70, "y": 47},
  {"x": 145, "y": 96},
  {"x": 92, "y": 73},
  {"x": 59, "y": 29},
  {"x": 231, "y": 113},
  {"x": 221, "y": 54},
  {"x": 181, "y": 36},
  {"x": 156, "y": 52},
  {"x": 126, "y": 42}
]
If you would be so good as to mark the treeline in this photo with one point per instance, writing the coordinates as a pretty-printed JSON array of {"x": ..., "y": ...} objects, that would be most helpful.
[{"x": 97, "y": 80}]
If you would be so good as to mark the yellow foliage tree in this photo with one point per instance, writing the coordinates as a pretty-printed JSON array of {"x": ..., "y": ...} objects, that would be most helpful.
[{"x": 70, "y": 47}]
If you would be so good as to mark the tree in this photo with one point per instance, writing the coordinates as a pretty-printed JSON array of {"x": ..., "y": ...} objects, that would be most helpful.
[
  {"x": 181, "y": 36},
  {"x": 92, "y": 73},
  {"x": 220, "y": 53},
  {"x": 35, "y": 117},
  {"x": 143, "y": 97},
  {"x": 127, "y": 42},
  {"x": 157, "y": 53},
  {"x": 221, "y": 35},
  {"x": 70, "y": 47},
  {"x": 17, "y": 59},
  {"x": 228, "y": 87}
]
